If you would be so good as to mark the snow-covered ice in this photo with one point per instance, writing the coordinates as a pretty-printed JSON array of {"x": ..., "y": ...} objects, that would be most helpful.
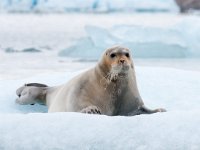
[
  {"x": 176, "y": 90},
  {"x": 173, "y": 130},
  {"x": 87, "y": 6}
]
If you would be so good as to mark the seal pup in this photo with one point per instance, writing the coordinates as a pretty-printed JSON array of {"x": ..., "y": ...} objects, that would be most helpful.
[{"x": 109, "y": 88}]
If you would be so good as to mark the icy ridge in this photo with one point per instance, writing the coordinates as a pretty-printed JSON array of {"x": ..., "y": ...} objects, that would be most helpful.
[{"x": 178, "y": 41}]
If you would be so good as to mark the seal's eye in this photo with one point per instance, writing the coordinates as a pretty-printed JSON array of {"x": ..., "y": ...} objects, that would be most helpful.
[
  {"x": 127, "y": 55},
  {"x": 112, "y": 55}
]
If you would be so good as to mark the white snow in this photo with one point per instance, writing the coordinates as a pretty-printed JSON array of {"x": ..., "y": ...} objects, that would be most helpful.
[
  {"x": 172, "y": 130},
  {"x": 87, "y": 6}
]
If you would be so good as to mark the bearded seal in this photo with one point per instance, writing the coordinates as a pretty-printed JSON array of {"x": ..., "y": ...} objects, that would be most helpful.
[{"x": 109, "y": 88}]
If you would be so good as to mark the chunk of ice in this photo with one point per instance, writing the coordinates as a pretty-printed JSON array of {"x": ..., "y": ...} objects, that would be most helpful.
[{"x": 178, "y": 41}]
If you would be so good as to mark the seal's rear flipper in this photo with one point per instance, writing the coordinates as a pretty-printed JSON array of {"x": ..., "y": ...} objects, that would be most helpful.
[
  {"x": 36, "y": 84},
  {"x": 31, "y": 93},
  {"x": 20, "y": 90}
]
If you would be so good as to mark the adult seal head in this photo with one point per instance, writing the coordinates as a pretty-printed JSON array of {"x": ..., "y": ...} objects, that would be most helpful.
[{"x": 109, "y": 88}]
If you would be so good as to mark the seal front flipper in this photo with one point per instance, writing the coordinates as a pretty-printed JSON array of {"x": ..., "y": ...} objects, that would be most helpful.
[
  {"x": 91, "y": 110},
  {"x": 144, "y": 110}
]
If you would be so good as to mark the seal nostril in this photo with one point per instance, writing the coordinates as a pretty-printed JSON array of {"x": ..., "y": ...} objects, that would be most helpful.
[{"x": 122, "y": 61}]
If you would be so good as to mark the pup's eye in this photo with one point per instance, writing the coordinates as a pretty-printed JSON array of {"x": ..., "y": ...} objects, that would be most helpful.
[
  {"x": 127, "y": 55},
  {"x": 112, "y": 55}
]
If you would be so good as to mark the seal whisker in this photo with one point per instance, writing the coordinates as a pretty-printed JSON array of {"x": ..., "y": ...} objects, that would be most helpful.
[{"x": 107, "y": 80}]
